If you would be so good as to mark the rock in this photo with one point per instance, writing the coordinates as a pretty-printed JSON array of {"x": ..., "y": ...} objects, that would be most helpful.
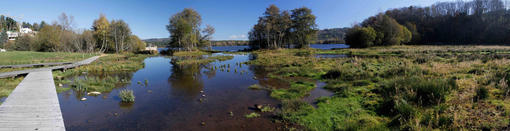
[
  {"x": 201, "y": 91},
  {"x": 202, "y": 123},
  {"x": 60, "y": 84},
  {"x": 116, "y": 114},
  {"x": 83, "y": 99},
  {"x": 83, "y": 72},
  {"x": 203, "y": 95},
  {"x": 149, "y": 91},
  {"x": 94, "y": 93},
  {"x": 231, "y": 114},
  {"x": 59, "y": 77}
]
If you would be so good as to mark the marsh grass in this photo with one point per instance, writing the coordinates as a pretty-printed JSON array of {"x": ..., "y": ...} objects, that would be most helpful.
[
  {"x": 7, "y": 85},
  {"x": 252, "y": 115},
  {"x": 103, "y": 75},
  {"x": 195, "y": 53},
  {"x": 201, "y": 60},
  {"x": 127, "y": 96},
  {"x": 395, "y": 87}
]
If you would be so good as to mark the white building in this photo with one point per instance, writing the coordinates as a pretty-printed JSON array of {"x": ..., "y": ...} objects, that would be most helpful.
[
  {"x": 12, "y": 35},
  {"x": 26, "y": 30}
]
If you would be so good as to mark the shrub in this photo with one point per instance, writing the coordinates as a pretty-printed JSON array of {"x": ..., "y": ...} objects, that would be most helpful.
[
  {"x": 360, "y": 37},
  {"x": 127, "y": 95}
]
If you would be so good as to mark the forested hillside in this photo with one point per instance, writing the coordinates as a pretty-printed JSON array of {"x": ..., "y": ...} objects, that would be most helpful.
[{"x": 331, "y": 36}]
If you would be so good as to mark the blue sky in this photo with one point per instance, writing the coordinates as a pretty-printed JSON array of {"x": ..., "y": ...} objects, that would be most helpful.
[{"x": 231, "y": 18}]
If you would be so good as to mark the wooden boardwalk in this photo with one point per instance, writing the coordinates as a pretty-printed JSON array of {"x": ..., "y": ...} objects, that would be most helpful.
[
  {"x": 73, "y": 65},
  {"x": 32, "y": 65},
  {"x": 33, "y": 105}
]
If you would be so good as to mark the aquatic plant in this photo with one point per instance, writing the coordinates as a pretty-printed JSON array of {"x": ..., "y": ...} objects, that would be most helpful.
[
  {"x": 255, "y": 86},
  {"x": 252, "y": 115},
  {"x": 267, "y": 109},
  {"x": 126, "y": 95}
]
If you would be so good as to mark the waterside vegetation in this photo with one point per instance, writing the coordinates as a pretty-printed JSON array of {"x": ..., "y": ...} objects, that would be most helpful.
[{"x": 396, "y": 87}]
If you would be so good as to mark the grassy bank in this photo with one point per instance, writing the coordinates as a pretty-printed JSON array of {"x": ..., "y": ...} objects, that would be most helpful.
[
  {"x": 7, "y": 85},
  {"x": 29, "y": 57},
  {"x": 103, "y": 75},
  {"x": 399, "y": 87}
]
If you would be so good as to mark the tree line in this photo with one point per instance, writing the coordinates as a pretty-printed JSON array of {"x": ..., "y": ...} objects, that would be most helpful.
[
  {"x": 461, "y": 22},
  {"x": 284, "y": 29},
  {"x": 105, "y": 36},
  {"x": 6, "y": 24}
]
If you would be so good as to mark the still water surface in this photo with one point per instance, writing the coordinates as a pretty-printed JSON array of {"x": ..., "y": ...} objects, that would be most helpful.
[
  {"x": 193, "y": 97},
  {"x": 176, "y": 98}
]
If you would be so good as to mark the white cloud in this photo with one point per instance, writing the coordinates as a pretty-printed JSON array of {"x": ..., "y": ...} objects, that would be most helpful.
[{"x": 238, "y": 37}]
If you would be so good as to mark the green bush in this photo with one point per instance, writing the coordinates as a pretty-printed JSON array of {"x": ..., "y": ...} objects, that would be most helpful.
[{"x": 360, "y": 37}]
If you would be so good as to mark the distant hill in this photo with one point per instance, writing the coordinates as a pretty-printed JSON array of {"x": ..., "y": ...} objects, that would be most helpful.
[
  {"x": 325, "y": 36},
  {"x": 161, "y": 42},
  {"x": 330, "y": 36}
]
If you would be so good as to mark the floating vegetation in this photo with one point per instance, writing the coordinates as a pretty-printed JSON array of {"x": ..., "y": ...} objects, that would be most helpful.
[
  {"x": 267, "y": 109},
  {"x": 255, "y": 86},
  {"x": 252, "y": 115}
]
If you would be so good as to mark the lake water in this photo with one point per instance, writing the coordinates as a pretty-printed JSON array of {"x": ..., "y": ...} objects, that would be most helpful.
[
  {"x": 231, "y": 48},
  {"x": 178, "y": 98},
  {"x": 328, "y": 46},
  {"x": 244, "y": 47}
]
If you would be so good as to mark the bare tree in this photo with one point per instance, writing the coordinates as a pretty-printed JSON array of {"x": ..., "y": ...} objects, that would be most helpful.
[{"x": 208, "y": 32}]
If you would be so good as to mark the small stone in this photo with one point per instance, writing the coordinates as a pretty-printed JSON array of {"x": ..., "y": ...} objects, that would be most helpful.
[
  {"x": 203, "y": 95},
  {"x": 83, "y": 72},
  {"x": 201, "y": 91},
  {"x": 231, "y": 114},
  {"x": 202, "y": 123},
  {"x": 258, "y": 106},
  {"x": 116, "y": 114},
  {"x": 149, "y": 91},
  {"x": 60, "y": 84},
  {"x": 83, "y": 99},
  {"x": 94, "y": 93}
]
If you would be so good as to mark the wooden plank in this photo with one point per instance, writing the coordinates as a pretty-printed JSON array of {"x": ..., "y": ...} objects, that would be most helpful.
[
  {"x": 32, "y": 65},
  {"x": 33, "y": 105},
  {"x": 73, "y": 65}
]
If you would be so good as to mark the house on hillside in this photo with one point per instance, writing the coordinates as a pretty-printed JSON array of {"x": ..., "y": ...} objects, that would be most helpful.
[{"x": 13, "y": 35}]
